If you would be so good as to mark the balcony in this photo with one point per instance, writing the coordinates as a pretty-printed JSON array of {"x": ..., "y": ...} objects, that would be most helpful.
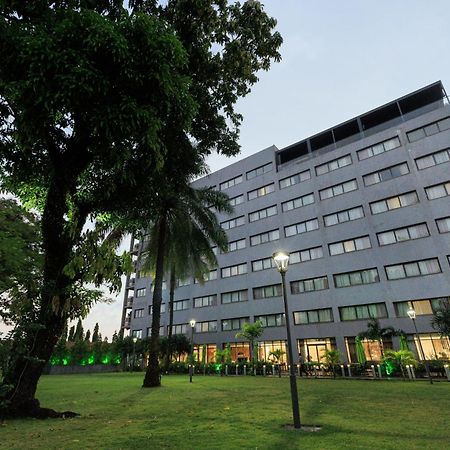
[
  {"x": 127, "y": 323},
  {"x": 131, "y": 283},
  {"x": 129, "y": 303}
]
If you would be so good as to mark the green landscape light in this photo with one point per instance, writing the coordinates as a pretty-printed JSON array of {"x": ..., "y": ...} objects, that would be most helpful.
[
  {"x": 91, "y": 360},
  {"x": 106, "y": 359}
]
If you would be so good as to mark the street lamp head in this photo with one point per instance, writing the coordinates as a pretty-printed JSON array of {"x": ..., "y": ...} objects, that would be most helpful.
[
  {"x": 135, "y": 339},
  {"x": 411, "y": 313},
  {"x": 192, "y": 323},
  {"x": 281, "y": 260}
]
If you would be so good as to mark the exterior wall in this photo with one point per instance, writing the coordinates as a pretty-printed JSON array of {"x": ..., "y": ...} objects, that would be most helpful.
[{"x": 422, "y": 287}]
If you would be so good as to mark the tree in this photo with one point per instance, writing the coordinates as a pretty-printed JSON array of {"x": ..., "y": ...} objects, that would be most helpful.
[
  {"x": 20, "y": 252},
  {"x": 377, "y": 333},
  {"x": 87, "y": 336},
  {"x": 251, "y": 332},
  {"x": 189, "y": 229},
  {"x": 79, "y": 332},
  {"x": 441, "y": 319},
  {"x": 401, "y": 358},
  {"x": 277, "y": 355},
  {"x": 71, "y": 334},
  {"x": 331, "y": 357},
  {"x": 88, "y": 96},
  {"x": 95, "y": 334}
]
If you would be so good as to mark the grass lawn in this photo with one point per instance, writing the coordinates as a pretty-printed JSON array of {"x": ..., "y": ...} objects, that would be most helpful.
[{"x": 234, "y": 413}]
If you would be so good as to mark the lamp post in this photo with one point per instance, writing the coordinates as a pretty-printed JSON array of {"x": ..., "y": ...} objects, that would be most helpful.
[
  {"x": 282, "y": 260},
  {"x": 191, "y": 368},
  {"x": 412, "y": 315},
  {"x": 134, "y": 353}
]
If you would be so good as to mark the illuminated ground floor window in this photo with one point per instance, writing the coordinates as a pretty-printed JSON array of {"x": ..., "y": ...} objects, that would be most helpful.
[
  {"x": 312, "y": 350},
  {"x": 372, "y": 349},
  {"x": 240, "y": 351},
  {"x": 434, "y": 346},
  {"x": 266, "y": 347},
  {"x": 208, "y": 349}
]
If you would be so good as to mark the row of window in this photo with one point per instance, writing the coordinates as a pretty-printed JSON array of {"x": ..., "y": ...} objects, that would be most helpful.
[
  {"x": 380, "y": 206},
  {"x": 323, "y": 315},
  {"x": 388, "y": 237},
  {"x": 343, "y": 161}
]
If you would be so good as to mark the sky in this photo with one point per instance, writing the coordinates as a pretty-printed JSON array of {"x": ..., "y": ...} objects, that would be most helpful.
[{"x": 339, "y": 59}]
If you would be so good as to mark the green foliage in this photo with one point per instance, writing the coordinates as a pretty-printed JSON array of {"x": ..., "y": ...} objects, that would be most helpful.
[
  {"x": 401, "y": 357},
  {"x": 441, "y": 319},
  {"x": 95, "y": 334},
  {"x": 79, "y": 332}
]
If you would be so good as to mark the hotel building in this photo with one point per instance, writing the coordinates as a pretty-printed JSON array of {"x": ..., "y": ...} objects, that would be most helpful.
[{"x": 363, "y": 208}]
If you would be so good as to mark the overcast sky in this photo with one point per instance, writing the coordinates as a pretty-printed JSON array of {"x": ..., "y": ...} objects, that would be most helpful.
[{"x": 340, "y": 59}]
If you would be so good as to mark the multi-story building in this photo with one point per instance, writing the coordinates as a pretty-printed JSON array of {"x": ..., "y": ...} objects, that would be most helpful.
[{"x": 363, "y": 209}]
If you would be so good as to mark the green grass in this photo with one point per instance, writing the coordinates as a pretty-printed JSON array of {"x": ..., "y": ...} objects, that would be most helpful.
[{"x": 234, "y": 413}]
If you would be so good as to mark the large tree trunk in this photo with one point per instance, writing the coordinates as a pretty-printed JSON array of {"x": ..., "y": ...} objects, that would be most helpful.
[
  {"x": 152, "y": 375},
  {"x": 36, "y": 343},
  {"x": 169, "y": 334}
]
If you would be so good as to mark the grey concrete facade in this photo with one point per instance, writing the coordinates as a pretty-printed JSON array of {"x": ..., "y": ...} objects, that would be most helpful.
[{"x": 423, "y": 107}]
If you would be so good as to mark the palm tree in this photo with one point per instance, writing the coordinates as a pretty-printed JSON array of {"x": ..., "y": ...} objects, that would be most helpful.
[
  {"x": 402, "y": 358},
  {"x": 331, "y": 357},
  {"x": 441, "y": 319},
  {"x": 377, "y": 333},
  {"x": 251, "y": 332},
  {"x": 180, "y": 240},
  {"x": 277, "y": 354}
]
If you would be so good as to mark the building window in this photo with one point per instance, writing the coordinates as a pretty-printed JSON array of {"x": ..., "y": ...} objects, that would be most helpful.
[
  {"x": 162, "y": 310},
  {"x": 180, "y": 328},
  {"x": 234, "y": 324},
  {"x": 138, "y": 313},
  {"x": 233, "y": 223},
  {"x": 262, "y": 238},
  {"x": 181, "y": 305},
  {"x": 433, "y": 159},
  {"x": 302, "y": 227},
  {"x": 413, "y": 269},
  {"x": 438, "y": 190},
  {"x": 261, "y": 192},
  {"x": 161, "y": 331},
  {"x": 232, "y": 271},
  {"x": 305, "y": 255},
  {"x": 207, "y": 300},
  {"x": 263, "y": 213},
  {"x": 271, "y": 320},
  {"x": 181, "y": 283},
  {"x": 234, "y": 201},
  {"x": 403, "y": 234},
  {"x": 313, "y": 316},
  {"x": 338, "y": 189},
  {"x": 363, "y": 312},
  {"x": 443, "y": 224},
  {"x": 398, "y": 201},
  {"x": 235, "y": 296},
  {"x": 298, "y": 202},
  {"x": 334, "y": 165},
  {"x": 345, "y": 215},
  {"x": 386, "y": 174},
  {"x": 236, "y": 245},
  {"x": 356, "y": 278},
  {"x": 273, "y": 290},
  {"x": 259, "y": 171},
  {"x": 376, "y": 149},
  {"x": 429, "y": 130},
  {"x": 137, "y": 334},
  {"x": 229, "y": 183},
  {"x": 141, "y": 292},
  {"x": 421, "y": 307},
  {"x": 350, "y": 245},
  {"x": 295, "y": 179},
  {"x": 211, "y": 275},
  {"x": 263, "y": 264},
  {"x": 309, "y": 285},
  {"x": 206, "y": 327}
]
